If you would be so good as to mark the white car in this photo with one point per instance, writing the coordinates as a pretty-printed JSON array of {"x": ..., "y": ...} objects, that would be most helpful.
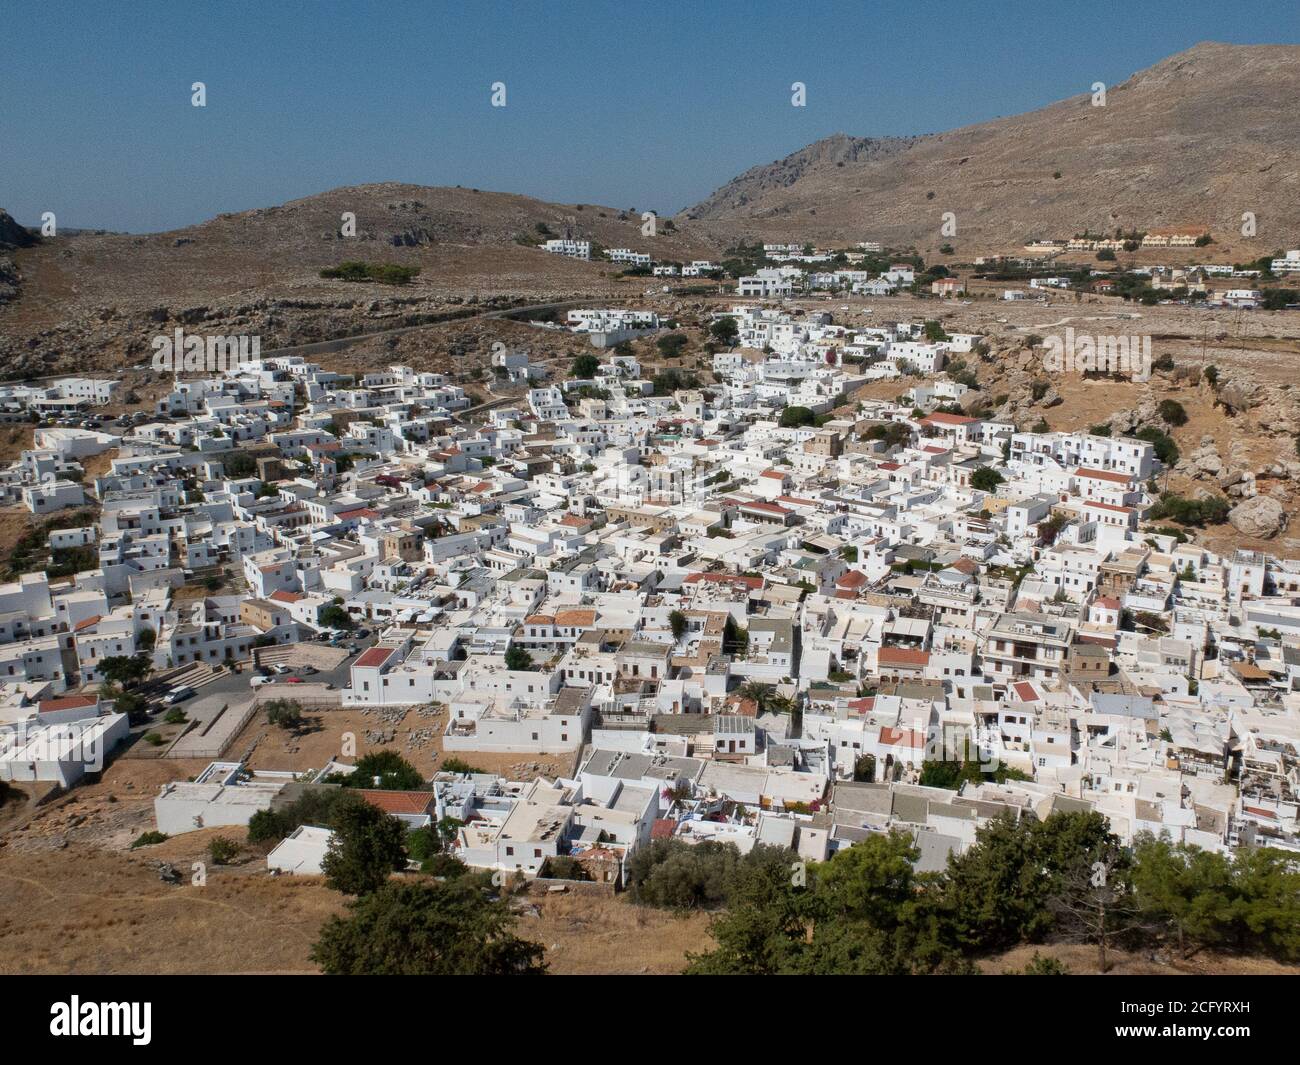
[{"x": 259, "y": 680}]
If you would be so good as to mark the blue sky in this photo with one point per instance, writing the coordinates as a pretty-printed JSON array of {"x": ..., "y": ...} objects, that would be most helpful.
[{"x": 651, "y": 105}]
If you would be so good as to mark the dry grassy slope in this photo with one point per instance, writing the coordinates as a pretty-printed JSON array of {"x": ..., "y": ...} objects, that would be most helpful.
[
  {"x": 94, "y": 300},
  {"x": 1200, "y": 137}
]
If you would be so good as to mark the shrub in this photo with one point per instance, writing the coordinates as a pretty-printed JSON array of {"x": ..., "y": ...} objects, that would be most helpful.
[
  {"x": 149, "y": 839},
  {"x": 222, "y": 850},
  {"x": 1172, "y": 412},
  {"x": 1212, "y": 510},
  {"x": 384, "y": 273}
]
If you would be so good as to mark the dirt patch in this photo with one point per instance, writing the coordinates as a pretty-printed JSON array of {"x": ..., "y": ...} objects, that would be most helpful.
[
  {"x": 415, "y": 735},
  {"x": 89, "y": 911},
  {"x": 609, "y": 936}
]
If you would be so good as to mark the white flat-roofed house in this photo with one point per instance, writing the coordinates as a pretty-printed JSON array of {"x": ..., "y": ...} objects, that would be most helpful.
[
  {"x": 574, "y": 249},
  {"x": 301, "y": 852}
]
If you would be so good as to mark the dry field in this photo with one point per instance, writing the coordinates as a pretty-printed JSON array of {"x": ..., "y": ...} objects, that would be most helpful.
[{"x": 418, "y": 739}]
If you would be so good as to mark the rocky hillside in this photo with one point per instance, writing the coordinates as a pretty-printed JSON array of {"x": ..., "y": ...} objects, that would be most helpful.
[
  {"x": 95, "y": 300},
  {"x": 1200, "y": 137}
]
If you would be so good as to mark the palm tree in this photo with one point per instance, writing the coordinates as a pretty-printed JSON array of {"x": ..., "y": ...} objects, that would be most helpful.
[
  {"x": 761, "y": 693},
  {"x": 781, "y": 704}
]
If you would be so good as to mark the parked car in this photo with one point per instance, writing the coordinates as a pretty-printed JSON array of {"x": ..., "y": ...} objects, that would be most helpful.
[
  {"x": 178, "y": 695},
  {"x": 259, "y": 680},
  {"x": 280, "y": 668},
  {"x": 293, "y": 680},
  {"x": 308, "y": 671}
]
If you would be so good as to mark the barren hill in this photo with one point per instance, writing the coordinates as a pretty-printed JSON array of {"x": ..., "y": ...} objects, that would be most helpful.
[
  {"x": 1200, "y": 137},
  {"x": 94, "y": 300}
]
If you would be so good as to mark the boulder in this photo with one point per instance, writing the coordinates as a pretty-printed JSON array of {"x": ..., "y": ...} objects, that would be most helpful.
[{"x": 1259, "y": 517}]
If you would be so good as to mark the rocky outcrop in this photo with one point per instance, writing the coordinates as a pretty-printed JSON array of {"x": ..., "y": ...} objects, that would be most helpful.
[
  {"x": 12, "y": 235},
  {"x": 1260, "y": 518}
]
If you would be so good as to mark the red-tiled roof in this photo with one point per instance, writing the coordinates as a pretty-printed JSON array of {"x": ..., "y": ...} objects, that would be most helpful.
[
  {"x": 399, "y": 802},
  {"x": 374, "y": 656},
  {"x": 663, "y": 828},
  {"x": 940, "y": 418},
  {"x": 895, "y": 737},
  {"x": 85, "y": 623},
  {"x": 1102, "y": 475},
  {"x": 67, "y": 702},
  {"x": 903, "y": 656},
  {"x": 282, "y": 596}
]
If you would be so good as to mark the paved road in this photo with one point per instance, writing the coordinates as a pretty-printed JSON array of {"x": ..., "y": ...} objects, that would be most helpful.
[{"x": 232, "y": 684}]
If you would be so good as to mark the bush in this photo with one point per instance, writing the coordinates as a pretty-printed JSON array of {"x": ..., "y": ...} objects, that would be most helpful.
[
  {"x": 1212, "y": 510},
  {"x": 564, "y": 867},
  {"x": 444, "y": 865},
  {"x": 384, "y": 273},
  {"x": 222, "y": 850},
  {"x": 1165, "y": 448},
  {"x": 985, "y": 479},
  {"x": 1172, "y": 412},
  {"x": 794, "y": 417},
  {"x": 671, "y": 345},
  {"x": 149, "y": 839}
]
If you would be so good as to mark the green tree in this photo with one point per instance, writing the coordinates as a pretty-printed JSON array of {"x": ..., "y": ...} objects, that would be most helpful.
[
  {"x": 584, "y": 367},
  {"x": 367, "y": 847},
  {"x": 724, "y": 330},
  {"x": 985, "y": 479},
  {"x": 678, "y": 622},
  {"x": 795, "y": 417},
  {"x": 518, "y": 659},
  {"x": 764, "y": 929},
  {"x": 285, "y": 714},
  {"x": 426, "y": 929},
  {"x": 386, "y": 770},
  {"x": 671, "y": 345},
  {"x": 1184, "y": 888},
  {"x": 1171, "y": 411},
  {"x": 125, "y": 670},
  {"x": 998, "y": 890},
  {"x": 335, "y": 617},
  {"x": 681, "y": 876}
]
